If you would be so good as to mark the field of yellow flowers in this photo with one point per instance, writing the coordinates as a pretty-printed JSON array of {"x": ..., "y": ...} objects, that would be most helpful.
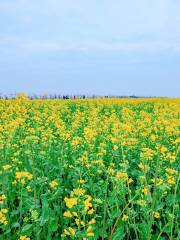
[{"x": 89, "y": 169}]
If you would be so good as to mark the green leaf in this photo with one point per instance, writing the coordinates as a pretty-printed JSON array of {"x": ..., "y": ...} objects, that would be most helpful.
[
  {"x": 52, "y": 225},
  {"x": 15, "y": 225},
  {"x": 119, "y": 234},
  {"x": 27, "y": 228},
  {"x": 45, "y": 212},
  {"x": 143, "y": 227},
  {"x": 160, "y": 207}
]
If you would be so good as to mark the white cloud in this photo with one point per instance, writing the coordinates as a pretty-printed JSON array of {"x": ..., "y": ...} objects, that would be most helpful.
[
  {"x": 37, "y": 46},
  {"x": 58, "y": 25}
]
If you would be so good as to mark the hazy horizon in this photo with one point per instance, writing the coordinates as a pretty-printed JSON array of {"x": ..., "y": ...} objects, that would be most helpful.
[{"x": 90, "y": 47}]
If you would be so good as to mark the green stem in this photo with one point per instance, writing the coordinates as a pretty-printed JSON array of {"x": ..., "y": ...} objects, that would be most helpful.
[
  {"x": 174, "y": 201},
  {"x": 105, "y": 208}
]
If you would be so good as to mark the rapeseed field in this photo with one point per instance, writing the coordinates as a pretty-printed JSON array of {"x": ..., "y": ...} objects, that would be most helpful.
[{"x": 89, "y": 169}]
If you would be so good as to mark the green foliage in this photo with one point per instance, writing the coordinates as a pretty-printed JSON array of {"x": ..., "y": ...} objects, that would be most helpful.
[{"x": 89, "y": 169}]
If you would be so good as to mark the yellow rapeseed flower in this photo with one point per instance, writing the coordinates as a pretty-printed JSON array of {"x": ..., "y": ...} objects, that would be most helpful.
[
  {"x": 78, "y": 192},
  {"x": 24, "y": 238},
  {"x": 89, "y": 229},
  {"x": 92, "y": 221},
  {"x": 5, "y": 167},
  {"x": 115, "y": 147},
  {"x": 3, "y": 218},
  {"x": 110, "y": 171},
  {"x": 53, "y": 184},
  {"x": 125, "y": 217},
  {"x": 77, "y": 221},
  {"x": 83, "y": 223},
  {"x": 156, "y": 214},
  {"x": 66, "y": 232},
  {"x": 70, "y": 202},
  {"x": 90, "y": 234},
  {"x": 71, "y": 230},
  {"x": 67, "y": 214},
  {"x": 145, "y": 190},
  {"x": 91, "y": 211},
  {"x": 28, "y": 188},
  {"x": 121, "y": 175},
  {"x": 81, "y": 181},
  {"x": 2, "y": 199},
  {"x": 87, "y": 204}
]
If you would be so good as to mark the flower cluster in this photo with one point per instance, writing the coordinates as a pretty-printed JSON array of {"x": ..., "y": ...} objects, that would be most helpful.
[
  {"x": 3, "y": 218},
  {"x": 80, "y": 209}
]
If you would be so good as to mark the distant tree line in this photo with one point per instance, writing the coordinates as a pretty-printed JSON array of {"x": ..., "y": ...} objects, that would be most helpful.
[{"x": 66, "y": 97}]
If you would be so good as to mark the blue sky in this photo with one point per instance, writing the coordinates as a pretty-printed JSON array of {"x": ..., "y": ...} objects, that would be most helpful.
[{"x": 90, "y": 46}]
